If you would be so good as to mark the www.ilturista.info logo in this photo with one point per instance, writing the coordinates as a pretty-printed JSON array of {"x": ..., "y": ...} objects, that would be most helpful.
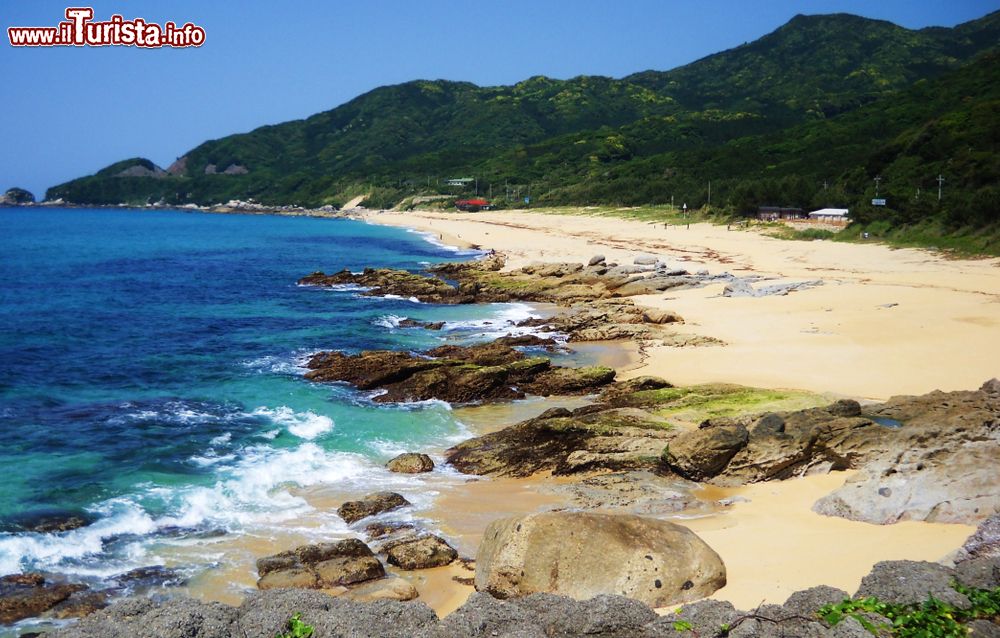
[{"x": 80, "y": 30}]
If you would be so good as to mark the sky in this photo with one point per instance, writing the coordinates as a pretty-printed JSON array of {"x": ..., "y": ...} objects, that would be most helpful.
[{"x": 70, "y": 111}]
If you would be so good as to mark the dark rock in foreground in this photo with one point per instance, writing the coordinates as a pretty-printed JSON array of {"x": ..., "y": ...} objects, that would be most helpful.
[{"x": 265, "y": 614}]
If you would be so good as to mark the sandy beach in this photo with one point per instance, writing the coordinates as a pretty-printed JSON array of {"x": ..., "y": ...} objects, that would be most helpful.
[{"x": 885, "y": 321}]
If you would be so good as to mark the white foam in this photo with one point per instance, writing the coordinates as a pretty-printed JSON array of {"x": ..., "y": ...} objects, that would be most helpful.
[
  {"x": 388, "y": 321},
  {"x": 222, "y": 439},
  {"x": 47, "y": 551},
  {"x": 305, "y": 425}
]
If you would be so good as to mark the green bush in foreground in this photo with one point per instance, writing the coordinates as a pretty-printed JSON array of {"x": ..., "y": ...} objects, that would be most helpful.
[
  {"x": 930, "y": 619},
  {"x": 297, "y": 628}
]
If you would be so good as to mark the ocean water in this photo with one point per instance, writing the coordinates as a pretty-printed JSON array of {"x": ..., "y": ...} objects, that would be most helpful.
[{"x": 150, "y": 377}]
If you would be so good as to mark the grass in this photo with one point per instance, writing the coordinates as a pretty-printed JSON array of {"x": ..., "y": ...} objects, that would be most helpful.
[{"x": 694, "y": 404}]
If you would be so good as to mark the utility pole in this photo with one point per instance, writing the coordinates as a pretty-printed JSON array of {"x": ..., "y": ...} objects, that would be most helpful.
[
  {"x": 491, "y": 190},
  {"x": 940, "y": 181},
  {"x": 825, "y": 185},
  {"x": 671, "y": 202},
  {"x": 709, "y": 203},
  {"x": 878, "y": 178},
  {"x": 477, "y": 186}
]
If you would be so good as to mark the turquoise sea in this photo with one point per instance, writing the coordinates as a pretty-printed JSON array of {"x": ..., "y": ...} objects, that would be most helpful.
[{"x": 150, "y": 378}]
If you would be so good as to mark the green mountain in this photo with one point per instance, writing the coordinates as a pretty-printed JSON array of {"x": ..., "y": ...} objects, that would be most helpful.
[{"x": 832, "y": 99}]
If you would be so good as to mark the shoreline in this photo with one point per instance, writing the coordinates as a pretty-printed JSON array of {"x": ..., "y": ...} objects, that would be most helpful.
[
  {"x": 737, "y": 531},
  {"x": 885, "y": 321},
  {"x": 733, "y": 531}
]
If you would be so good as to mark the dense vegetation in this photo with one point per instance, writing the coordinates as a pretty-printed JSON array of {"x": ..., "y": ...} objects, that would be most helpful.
[{"x": 806, "y": 116}]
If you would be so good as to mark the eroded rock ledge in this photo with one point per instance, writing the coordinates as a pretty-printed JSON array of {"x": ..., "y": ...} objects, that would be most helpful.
[
  {"x": 934, "y": 457},
  {"x": 457, "y": 374}
]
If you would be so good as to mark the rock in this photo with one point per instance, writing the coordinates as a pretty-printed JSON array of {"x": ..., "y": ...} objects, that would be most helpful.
[
  {"x": 982, "y": 573},
  {"x": 705, "y": 618},
  {"x": 528, "y": 340},
  {"x": 28, "y": 595},
  {"x": 596, "y": 259},
  {"x": 348, "y": 570},
  {"x": 382, "y": 530},
  {"x": 152, "y": 576},
  {"x": 414, "y": 323},
  {"x": 421, "y": 553},
  {"x": 616, "y": 438},
  {"x": 991, "y": 387},
  {"x": 318, "y": 566},
  {"x": 383, "y": 589},
  {"x": 377, "y": 503},
  {"x": 960, "y": 488},
  {"x": 984, "y": 542},
  {"x": 660, "y": 316},
  {"x": 49, "y": 521},
  {"x": 845, "y": 407},
  {"x": 645, "y": 260},
  {"x": 410, "y": 463},
  {"x": 807, "y": 602},
  {"x": 16, "y": 197},
  {"x": 624, "y": 392},
  {"x": 907, "y": 582},
  {"x": 181, "y": 618},
  {"x": 295, "y": 577},
  {"x": 769, "y": 424},
  {"x": 79, "y": 604},
  {"x": 569, "y": 381},
  {"x": 738, "y": 288},
  {"x": 639, "y": 492},
  {"x": 703, "y": 453},
  {"x": 582, "y": 555},
  {"x": 457, "y": 374}
]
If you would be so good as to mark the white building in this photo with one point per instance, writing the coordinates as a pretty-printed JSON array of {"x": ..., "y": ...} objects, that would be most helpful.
[{"x": 830, "y": 215}]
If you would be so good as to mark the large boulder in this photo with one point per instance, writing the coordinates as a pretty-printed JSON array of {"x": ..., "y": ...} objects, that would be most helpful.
[
  {"x": 582, "y": 555},
  {"x": 320, "y": 566},
  {"x": 377, "y": 503},
  {"x": 410, "y": 463}
]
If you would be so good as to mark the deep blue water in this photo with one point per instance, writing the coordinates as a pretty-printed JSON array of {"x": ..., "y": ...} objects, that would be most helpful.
[{"x": 149, "y": 373}]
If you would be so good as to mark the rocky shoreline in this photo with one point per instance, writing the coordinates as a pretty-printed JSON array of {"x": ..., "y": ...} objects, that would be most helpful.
[
  {"x": 641, "y": 446},
  {"x": 267, "y": 613}
]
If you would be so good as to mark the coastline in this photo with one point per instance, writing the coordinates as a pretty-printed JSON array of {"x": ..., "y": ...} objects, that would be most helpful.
[
  {"x": 885, "y": 321},
  {"x": 764, "y": 565},
  {"x": 739, "y": 531}
]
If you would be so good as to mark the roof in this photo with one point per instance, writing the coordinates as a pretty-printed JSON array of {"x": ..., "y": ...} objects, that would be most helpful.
[{"x": 830, "y": 212}]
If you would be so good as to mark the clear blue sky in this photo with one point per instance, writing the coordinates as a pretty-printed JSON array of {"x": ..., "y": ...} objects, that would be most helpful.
[{"x": 68, "y": 112}]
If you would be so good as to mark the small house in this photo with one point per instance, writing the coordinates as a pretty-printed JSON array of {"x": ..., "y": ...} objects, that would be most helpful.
[{"x": 830, "y": 215}]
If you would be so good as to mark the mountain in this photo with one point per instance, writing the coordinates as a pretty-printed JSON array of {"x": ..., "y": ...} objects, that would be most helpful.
[{"x": 807, "y": 103}]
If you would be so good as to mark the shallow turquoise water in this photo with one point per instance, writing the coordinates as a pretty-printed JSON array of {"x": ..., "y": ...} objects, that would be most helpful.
[{"x": 150, "y": 379}]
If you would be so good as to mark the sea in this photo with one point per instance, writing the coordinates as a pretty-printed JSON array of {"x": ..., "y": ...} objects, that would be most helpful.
[{"x": 151, "y": 382}]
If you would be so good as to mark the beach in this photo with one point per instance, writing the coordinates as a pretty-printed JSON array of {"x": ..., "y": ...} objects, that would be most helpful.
[{"x": 885, "y": 321}]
